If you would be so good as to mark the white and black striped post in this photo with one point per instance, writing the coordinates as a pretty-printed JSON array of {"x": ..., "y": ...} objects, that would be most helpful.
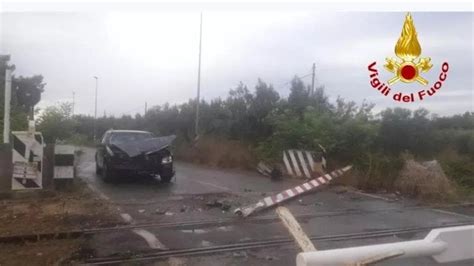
[
  {"x": 301, "y": 163},
  {"x": 64, "y": 162},
  {"x": 27, "y": 159}
]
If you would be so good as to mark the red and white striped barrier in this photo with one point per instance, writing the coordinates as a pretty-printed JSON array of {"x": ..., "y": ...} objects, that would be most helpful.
[{"x": 291, "y": 193}]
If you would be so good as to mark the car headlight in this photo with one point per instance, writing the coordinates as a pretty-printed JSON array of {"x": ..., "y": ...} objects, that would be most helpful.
[{"x": 167, "y": 159}]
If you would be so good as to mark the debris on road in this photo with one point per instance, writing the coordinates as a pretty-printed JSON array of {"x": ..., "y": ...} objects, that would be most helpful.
[
  {"x": 271, "y": 258},
  {"x": 224, "y": 228},
  {"x": 264, "y": 169},
  {"x": 240, "y": 254},
  {"x": 290, "y": 193},
  {"x": 213, "y": 203},
  {"x": 222, "y": 204},
  {"x": 303, "y": 203},
  {"x": 160, "y": 212},
  {"x": 199, "y": 198},
  {"x": 206, "y": 243},
  {"x": 274, "y": 172}
]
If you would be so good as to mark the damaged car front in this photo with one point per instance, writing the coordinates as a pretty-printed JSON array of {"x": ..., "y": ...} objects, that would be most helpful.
[{"x": 134, "y": 152}]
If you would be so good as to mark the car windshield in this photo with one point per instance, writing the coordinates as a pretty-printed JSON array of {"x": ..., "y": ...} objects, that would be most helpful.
[{"x": 117, "y": 138}]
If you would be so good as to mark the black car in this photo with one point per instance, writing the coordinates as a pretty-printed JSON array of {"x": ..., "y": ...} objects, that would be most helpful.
[{"x": 133, "y": 151}]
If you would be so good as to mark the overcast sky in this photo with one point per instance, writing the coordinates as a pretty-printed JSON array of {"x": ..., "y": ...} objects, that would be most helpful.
[{"x": 153, "y": 56}]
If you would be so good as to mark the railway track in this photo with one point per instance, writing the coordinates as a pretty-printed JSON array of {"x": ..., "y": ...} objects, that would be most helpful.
[
  {"x": 205, "y": 223},
  {"x": 160, "y": 255}
]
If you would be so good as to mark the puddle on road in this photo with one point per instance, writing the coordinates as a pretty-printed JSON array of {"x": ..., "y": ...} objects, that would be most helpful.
[
  {"x": 205, "y": 243},
  {"x": 225, "y": 228}
]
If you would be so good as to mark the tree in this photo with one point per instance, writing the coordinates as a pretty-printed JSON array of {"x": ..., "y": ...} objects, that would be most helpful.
[
  {"x": 320, "y": 101},
  {"x": 264, "y": 102},
  {"x": 28, "y": 92},
  {"x": 56, "y": 123},
  {"x": 299, "y": 98},
  {"x": 404, "y": 130},
  {"x": 238, "y": 103}
]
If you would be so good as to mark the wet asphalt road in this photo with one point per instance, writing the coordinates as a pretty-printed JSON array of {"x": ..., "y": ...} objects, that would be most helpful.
[{"x": 191, "y": 194}]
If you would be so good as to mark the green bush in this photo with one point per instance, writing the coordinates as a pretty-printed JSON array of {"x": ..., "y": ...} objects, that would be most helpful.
[
  {"x": 378, "y": 171},
  {"x": 460, "y": 170}
]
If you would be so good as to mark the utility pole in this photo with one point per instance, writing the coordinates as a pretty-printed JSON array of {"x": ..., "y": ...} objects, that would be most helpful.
[
  {"x": 145, "y": 109},
  {"x": 95, "y": 110},
  {"x": 8, "y": 96},
  {"x": 196, "y": 126},
  {"x": 73, "y": 101},
  {"x": 312, "y": 79}
]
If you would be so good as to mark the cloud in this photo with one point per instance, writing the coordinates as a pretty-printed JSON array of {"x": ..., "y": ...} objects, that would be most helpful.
[{"x": 152, "y": 56}]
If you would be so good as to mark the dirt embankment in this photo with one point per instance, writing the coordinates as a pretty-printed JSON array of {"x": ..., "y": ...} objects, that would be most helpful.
[
  {"x": 56, "y": 212},
  {"x": 425, "y": 180}
]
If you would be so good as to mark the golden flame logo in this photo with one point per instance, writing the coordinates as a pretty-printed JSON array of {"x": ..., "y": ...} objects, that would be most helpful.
[{"x": 408, "y": 49}]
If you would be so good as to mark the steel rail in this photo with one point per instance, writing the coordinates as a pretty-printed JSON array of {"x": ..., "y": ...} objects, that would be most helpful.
[
  {"x": 201, "y": 223},
  {"x": 237, "y": 220},
  {"x": 114, "y": 259}
]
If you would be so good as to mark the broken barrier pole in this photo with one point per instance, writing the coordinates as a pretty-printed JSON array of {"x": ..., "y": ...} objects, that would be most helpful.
[
  {"x": 291, "y": 193},
  {"x": 295, "y": 229},
  {"x": 443, "y": 245}
]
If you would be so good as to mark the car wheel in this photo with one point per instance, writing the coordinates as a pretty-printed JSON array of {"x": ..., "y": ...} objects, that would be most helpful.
[
  {"x": 166, "y": 178},
  {"x": 107, "y": 173},
  {"x": 97, "y": 169}
]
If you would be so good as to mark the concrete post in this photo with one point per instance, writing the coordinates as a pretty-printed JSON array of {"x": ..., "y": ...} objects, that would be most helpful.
[{"x": 8, "y": 96}]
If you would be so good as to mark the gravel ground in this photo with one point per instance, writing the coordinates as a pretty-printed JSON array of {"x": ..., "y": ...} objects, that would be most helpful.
[{"x": 77, "y": 208}]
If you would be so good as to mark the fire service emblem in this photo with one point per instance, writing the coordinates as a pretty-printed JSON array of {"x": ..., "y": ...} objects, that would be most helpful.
[{"x": 408, "y": 68}]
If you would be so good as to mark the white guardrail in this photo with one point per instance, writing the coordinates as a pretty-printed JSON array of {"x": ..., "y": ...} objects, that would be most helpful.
[{"x": 443, "y": 245}]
